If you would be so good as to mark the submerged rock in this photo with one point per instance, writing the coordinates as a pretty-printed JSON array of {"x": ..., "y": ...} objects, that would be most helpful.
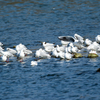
[
  {"x": 77, "y": 55},
  {"x": 92, "y": 55}
]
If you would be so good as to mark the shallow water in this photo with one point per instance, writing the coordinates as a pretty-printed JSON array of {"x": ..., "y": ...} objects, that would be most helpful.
[{"x": 33, "y": 21}]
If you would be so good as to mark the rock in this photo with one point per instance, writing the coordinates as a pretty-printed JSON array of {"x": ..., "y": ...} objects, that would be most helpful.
[
  {"x": 77, "y": 55},
  {"x": 92, "y": 55},
  {"x": 14, "y": 46},
  {"x": 98, "y": 70}
]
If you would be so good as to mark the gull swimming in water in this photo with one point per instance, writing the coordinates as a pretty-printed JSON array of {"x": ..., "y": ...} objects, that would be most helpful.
[
  {"x": 42, "y": 54},
  {"x": 25, "y": 50},
  {"x": 6, "y": 55},
  {"x": 4, "y": 58},
  {"x": 49, "y": 48},
  {"x": 20, "y": 46},
  {"x": 34, "y": 63},
  {"x": 11, "y": 51},
  {"x": 47, "y": 44},
  {"x": 21, "y": 55}
]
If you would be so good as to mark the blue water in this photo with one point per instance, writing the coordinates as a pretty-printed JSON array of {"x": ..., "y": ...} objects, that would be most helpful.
[{"x": 31, "y": 22}]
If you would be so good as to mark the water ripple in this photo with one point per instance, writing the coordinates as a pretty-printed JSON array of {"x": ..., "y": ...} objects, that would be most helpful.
[{"x": 32, "y": 22}]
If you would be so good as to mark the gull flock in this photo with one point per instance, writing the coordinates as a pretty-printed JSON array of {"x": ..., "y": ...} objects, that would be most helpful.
[{"x": 70, "y": 46}]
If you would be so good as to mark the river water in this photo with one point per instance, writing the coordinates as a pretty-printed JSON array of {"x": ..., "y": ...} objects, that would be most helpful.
[{"x": 31, "y": 22}]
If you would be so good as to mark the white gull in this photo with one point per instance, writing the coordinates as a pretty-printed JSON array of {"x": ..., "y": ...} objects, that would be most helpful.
[
  {"x": 34, "y": 63},
  {"x": 42, "y": 54}
]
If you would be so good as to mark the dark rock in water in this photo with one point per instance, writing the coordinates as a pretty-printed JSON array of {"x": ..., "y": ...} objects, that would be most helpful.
[
  {"x": 92, "y": 55},
  {"x": 14, "y": 46},
  {"x": 77, "y": 55},
  {"x": 98, "y": 70}
]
